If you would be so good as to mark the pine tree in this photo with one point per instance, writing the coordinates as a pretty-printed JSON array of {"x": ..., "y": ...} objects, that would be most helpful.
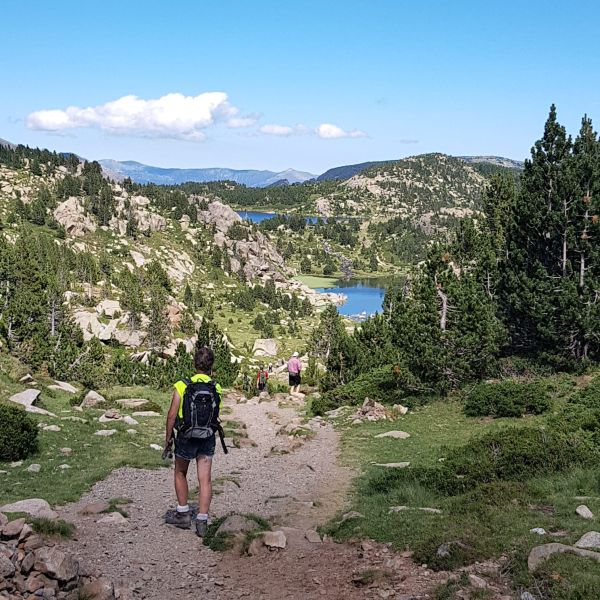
[{"x": 159, "y": 326}]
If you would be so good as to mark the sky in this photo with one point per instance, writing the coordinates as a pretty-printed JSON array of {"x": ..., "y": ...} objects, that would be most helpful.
[{"x": 307, "y": 85}]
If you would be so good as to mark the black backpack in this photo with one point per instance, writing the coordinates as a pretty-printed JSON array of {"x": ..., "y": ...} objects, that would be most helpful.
[{"x": 200, "y": 410}]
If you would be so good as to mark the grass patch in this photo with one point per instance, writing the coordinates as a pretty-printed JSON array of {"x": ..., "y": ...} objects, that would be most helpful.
[
  {"x": 116, "y": 505},
  {"x": 52, "y": 527},
  {"x": 313, "y": 281},
  {"x": 217, "y": 542},
  {"x": 92, "y": 458},
  {"x": 489, "y": 517}
]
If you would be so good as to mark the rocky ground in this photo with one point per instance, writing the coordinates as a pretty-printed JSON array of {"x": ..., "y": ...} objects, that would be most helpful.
[{"x": 295, "y": 481}]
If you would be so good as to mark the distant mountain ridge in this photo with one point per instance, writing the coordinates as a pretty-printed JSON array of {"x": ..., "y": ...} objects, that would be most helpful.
[{"x": 141, "y": 173}]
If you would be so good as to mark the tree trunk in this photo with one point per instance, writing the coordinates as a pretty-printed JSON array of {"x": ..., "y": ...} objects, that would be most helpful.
[{"x": 444, "y": 310}]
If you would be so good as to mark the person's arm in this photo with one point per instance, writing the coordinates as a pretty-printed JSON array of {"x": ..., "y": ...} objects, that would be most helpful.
[{"x": 172, "y": 416}]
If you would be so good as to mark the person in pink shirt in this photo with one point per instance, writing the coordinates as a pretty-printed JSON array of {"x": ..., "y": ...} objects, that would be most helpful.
[{"x": 294, "y": 368}]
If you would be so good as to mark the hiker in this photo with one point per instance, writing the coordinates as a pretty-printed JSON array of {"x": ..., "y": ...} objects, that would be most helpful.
[
  {"x": 261, "y": 378},
  {"x": 194, "y": 414},
  {"x": 270, "y": 367},
  {"x": 294, "y": 368}
]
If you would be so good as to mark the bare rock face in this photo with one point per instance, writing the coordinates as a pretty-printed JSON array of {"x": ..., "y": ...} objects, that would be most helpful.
[
  {"x": 220, "y": 215},
  {"x": 71, "y": 215},
  {"x": 265, "y": 347}
]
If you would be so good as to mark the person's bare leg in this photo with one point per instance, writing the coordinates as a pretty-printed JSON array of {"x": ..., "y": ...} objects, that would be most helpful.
[
  {"x": 181, "y": 484},
  {"x": 204, "y": 466}
]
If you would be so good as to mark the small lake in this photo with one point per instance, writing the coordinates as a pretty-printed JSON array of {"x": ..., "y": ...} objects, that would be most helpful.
[
  {"x": 364, "y": 296},
  {"x": 258, "y": 216}
]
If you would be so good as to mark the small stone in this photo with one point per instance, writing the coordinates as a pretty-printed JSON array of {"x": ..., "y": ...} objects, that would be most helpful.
[
  {"x": 313, "y": 537},
  {"x": 26, "y": 378},
  {"x": 132, "y": 432},
  {"x": 256, "y": 547},
  {"x": 527, "y": 596},
  {"x": 132, "y": 402},
  {"x": 591, "y": 539},
  {"x": 538, "y": 530},
  {"x": 397, "y": 435},
  {"x": 113, "y": 518},
  {"x": 16, "y": 464},
  {"x": 95, "y": 508},
  {"x": 129, "y": 420},
  {"x": 352, "y": 515},
  {"x": 399, "y": 409},
  {"x": 585, "y": 512},
  {"x": 66, "y": 451},
  {"x": 398, "y": 465},
  {"x": 34, "y": 468},
  {"x": 54, "y": 428},
  {"x": 105, "y": 432},
  {"x": 357, "y": 422},
  {"x": 477, "y": 582},
  {"x": 146, "y": 413},
  {"x": 99, "y": 589},
  {"x": 156, "y": 447},
  {"x": 7, "y": 569},
  {"x": 64, "y": 467},
  {"x": 275, "y": 539}
]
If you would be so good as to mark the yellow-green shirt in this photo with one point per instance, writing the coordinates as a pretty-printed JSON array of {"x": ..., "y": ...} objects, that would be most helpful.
[{"x": 181, "y": 385}]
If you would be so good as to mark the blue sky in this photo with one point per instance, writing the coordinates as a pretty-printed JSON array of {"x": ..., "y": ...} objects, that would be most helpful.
[{"x": 315, "y": 84}]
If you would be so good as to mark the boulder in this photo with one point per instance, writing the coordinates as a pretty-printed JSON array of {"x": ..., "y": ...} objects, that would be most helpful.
[
  {"x": 399, "y": 409},
  {"x": 92, "y": 399},
  {"x": 35, "y": 507},
  {"x": 397, "y": 435},
  {"x": 591, "y": 539},
  {"x": 63, "y": 386},
  {"x": 13, "y": 528},
  {"x": 7, "y": 569},
  {"x": 539, "y": 554},
  {"x": 313, "y": 537},
  {"x": 274, "y": 539},
  {"x": 584, "y": 512},
  {"x": 34, "y": 468},
  {"x": 220, "y": 215},
  {"x": 110, "y": 415},
  {"x": 55, "y": 563},
  {"x": 265, "y": 347},
  {"x": 25, "y": 398},
  {"x": 129, "y": 420},
  {"x": 237, "y": 524}
]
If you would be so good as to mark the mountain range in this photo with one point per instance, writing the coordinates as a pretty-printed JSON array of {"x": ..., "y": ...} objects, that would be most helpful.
[{"x": 141, "y": 173}]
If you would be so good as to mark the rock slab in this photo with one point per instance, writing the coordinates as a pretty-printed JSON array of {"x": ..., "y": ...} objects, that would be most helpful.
[{"x": 539, "y": 554}]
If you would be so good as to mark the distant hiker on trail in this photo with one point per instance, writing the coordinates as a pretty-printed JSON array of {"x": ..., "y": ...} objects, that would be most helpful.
[
  {"x": 194, "y": 415},
  {"x": 294, "y": 368},
  {"x": 261, "y": 378},
  {"x": 270, "y": 367}
]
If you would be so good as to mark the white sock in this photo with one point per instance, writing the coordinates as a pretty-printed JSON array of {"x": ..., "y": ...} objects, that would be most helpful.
[
  {"x": 183, "y": 509},
  {"x": 202, "y": 517}
]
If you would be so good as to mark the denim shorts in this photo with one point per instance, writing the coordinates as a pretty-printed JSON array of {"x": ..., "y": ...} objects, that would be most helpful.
[{"x": 194, "y": 448}]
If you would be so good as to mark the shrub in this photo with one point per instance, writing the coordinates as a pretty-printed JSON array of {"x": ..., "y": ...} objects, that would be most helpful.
[
  {"x": 513, "y": 454},
  {"x": 385, "y": 384},
  {"x": 18, "y": 433},
  {"x": 507, "y": 399}
]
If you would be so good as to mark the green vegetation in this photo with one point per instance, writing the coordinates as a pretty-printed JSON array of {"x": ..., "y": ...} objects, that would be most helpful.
[
  {"x": 18, "y": 433},
  {"x": 53, "y": 527}
]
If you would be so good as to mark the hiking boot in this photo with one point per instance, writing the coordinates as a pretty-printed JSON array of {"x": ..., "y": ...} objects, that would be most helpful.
[
  {"x": 201, "y": 528},
  {"x": 182, "y": 520}
]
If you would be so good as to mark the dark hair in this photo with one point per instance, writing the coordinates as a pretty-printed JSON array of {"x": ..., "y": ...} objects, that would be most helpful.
[{"x": 204, "y": 359}]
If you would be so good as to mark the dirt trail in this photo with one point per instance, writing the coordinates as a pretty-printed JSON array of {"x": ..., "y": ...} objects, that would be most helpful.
[{"x": 297, "y": 491}]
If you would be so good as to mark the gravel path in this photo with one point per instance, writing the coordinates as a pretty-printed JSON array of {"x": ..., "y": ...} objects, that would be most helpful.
[{"x": 296, "y": 491}]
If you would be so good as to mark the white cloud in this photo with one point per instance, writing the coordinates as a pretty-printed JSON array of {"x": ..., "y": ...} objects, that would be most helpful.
[
  {"x": 170, "y": 116},
  {"x": 327, "y": 131},
  {"x": 283, "y": 130},
  {"x": 242, "y": 122}
]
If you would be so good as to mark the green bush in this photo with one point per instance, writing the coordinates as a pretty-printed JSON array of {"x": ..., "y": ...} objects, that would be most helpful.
[
  {"x": 385, "y": 384},
  {"x": 507, "y": 399},
  {"x": 513, "y": 454},
  {"x": 18, "y": 433}
]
